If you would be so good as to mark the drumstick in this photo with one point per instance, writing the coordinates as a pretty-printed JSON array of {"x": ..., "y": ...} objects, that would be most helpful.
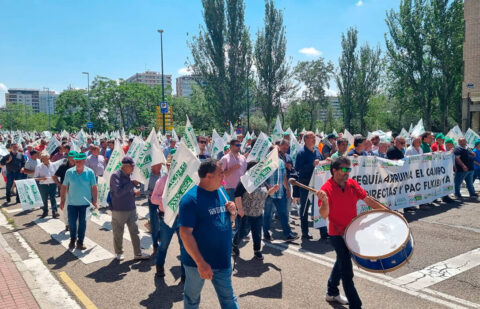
[{"x": 293, "y": 182}]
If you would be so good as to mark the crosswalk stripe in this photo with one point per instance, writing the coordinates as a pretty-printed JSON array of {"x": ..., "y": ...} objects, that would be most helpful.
[
  {"x": 143, "y": 212},
  {"x": 56, "y": 229},
  {"x": 105, "y": 221}
]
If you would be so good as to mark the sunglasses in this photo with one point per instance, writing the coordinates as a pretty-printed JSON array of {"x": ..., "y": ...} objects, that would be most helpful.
[
  {"x": 202, "y": 142},
  {"x": 346, "y": 169},
  {"x": 238, "y": 145}
]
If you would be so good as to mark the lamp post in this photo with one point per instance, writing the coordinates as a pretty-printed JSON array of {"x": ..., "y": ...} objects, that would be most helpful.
[
  {"x": 88, "y": 97},
  {"x": 248, "y": 108},
  {"x": 48, "y": 106},
  {"x": 163, "y": 83}
]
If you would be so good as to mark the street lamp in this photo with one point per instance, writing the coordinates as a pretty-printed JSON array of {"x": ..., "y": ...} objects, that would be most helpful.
[
  {"x": 88, "y": 96},
  {"x": 48, "y": 105},
  {"x": 163, "y": 84}
]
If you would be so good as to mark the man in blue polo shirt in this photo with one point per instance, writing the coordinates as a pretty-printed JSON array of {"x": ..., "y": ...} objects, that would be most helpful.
[
  {"x": 81, "y": 186},
  {"x": 307, "y": 158},
  {"x": 205, "y": 216}
]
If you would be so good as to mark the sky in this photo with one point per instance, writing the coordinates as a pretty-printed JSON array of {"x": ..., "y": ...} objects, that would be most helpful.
[{"x": 49, "y": 43}]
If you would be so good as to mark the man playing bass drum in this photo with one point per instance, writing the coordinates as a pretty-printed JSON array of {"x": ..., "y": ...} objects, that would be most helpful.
[{"x": 337, "y": 200}]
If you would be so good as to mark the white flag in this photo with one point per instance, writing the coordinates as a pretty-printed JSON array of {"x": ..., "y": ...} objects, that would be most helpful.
[
  {"x": 348, "y": 136},
  {"x": 455, "y": 133},
  {"x": 28, "y": 193},
  {"x": 182, "y": 177},
  {"x": 217, "y": 146},
  {"x": 52, "y": 145},
  {"x": 471, "y": 137},
  {"x": 190, "y": 139},
  {"x": 260, "y": 149},
  {"x": 114, "y": 164},
  {"x": 277, "y": 131},
  {"x": 151, "y": 154},
  {"x": 418, "y": 130},
  {"x": 260, "y": 172}
]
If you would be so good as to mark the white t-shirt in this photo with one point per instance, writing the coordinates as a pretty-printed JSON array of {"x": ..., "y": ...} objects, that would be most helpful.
[
  {"x": 45, "y": 171},
  {"x": 31, "y": 166}
]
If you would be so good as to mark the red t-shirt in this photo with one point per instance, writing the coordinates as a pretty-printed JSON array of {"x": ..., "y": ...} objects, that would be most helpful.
[
  {"x": 343, "y": 204},
  {"x": 125, "y": 148},
  {"x": 435, "y": 147}
]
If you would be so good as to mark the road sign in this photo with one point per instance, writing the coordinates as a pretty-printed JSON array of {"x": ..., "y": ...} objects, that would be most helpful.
[
  {"x": 90, "y": 125},
  {"x": 168, "y": 119},
  {"x": 239, "y": 131},
  {"x": 164, "y": 107},
  {"x": 470, "y": 85}
]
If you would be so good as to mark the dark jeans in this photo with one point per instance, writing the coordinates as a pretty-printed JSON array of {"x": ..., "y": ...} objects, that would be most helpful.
[
  {"x": 281, "y": 206},
  {"x": 77, "y": 213},
  {"x": 304, "y": 207},
  {"x": 48, "y": 192},
  {"x": 247, "y": 223},
  {"x": 153, "y": 211},
  {"x": 164, "y": 235},
  {"x": 460, "y": 177},
  {"x": 11, "y": 176},
  {"x": 342, "y": 269}
]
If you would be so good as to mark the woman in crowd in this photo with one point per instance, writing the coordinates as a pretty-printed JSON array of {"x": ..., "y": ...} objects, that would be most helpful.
[{"x": 46, "y": 184}]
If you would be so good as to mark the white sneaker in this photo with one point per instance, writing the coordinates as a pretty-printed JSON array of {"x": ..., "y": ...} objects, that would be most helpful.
[
  {"x": 120, "y": 257},
  {"x": 142, "y": 256},
  {"x": 342, "y": 300}
]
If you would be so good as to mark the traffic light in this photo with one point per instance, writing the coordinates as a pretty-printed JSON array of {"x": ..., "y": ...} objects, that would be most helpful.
[
  {"x": 239, "y": 123},
  {"x": 228, "y": 124}
]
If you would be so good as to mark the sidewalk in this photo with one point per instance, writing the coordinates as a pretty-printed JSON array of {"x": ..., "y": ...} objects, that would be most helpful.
[{"x": 14, "y": 292}]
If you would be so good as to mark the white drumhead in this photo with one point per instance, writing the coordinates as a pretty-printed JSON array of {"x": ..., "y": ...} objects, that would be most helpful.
[{"x": 376, "y": 233}]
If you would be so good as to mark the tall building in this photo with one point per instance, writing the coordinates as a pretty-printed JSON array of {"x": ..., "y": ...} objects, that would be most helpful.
[
  {"x": 28, "y": 97},
  {"x": 39, "y": 101},
  {"x": 184, "y": 84},
  {"x": 47, "y": 101},
  {"x": 471, "y": 64},
  {"x": 150, "y": 78},
  {"x": 335, "y": 104}
]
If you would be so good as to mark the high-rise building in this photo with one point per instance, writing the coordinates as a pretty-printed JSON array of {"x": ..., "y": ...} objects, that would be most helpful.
[
  {"x": 471, "y": 65},
  {"x": 150, "y": 78},
  {"x": 28, "y": 97},
  {"x": 336, "y": 111},
  {"x": 184, "y": 84},
  {"x": 39, "y": 101},
  {"x": 47, "y": 101}
]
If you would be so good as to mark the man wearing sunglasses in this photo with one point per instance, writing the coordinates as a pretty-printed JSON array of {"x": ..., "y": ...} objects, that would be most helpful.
[
  {"x": 202, "y": 144},
  {"x": 234, "y": 165},
  {"x": 337, "y": 200}
]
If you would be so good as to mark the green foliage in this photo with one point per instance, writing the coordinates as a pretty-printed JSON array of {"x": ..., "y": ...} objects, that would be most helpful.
[
  {"x": 297, "y": 116},
  {"x": 17, "y": 116}
]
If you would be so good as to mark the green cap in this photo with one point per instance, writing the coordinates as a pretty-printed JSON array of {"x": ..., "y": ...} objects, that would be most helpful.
[
  {"x": 81, "y": 156},
  {"x": 440, "y": 136},
  {"x": 72, "y": 154},
  {"x": 172, "y": 151},
  {"x": 477, "y": 142},
  {"x": 285, "y": 133},
  {"x": 449, "y": 141},
  {"x": 226, "y": 147}
]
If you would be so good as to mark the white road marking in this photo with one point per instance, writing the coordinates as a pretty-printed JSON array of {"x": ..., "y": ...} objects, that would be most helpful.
[
  {"x": 143, "y": 212},
  {"x": 105, "y": 221},
  {"x": 56, "y": 229},
  {"x": 440, "y": 271},
  {"x": 461, "y": 227},
  {"x": 45, "y": 288},
  {"x": 11, "y": 211},
  {"x": 376, "y": 278}
]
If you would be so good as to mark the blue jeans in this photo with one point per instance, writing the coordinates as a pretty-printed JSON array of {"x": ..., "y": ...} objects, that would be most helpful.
[
  {"x": 222, "y": 282},
  {"x": 476, "y": 175},
  {"x": 77, "y": 213},
  {"x": 11, "y": 176},
  {"x": 249, "y": 223},
  {"x": 48, "y": 191},
  {"x": 164, "y": 234},
  {"x": 468, "y": 177},
  {"x": 342, "y": 269},
  {"x": 304, "y": 206},
  {"x": 153, "y": 211},
  {"x": 281, "y": 206}
]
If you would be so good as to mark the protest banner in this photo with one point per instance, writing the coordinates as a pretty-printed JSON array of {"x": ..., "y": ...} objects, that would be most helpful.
[
  {"x": 151, "y": 154},
  {"x": 294, "y": 147},
  {"x": 417, "y": 180},
  {"x": 217, "y": 146},
  {"x": 52, "y": 145},
  {"x": 260, "y": 149},
  {"x": 455, "y": 133},
  {"x": 29, "y": 194},
  {"x": 114, "y": 164},
  {"x": 190, "y": 139},
  {"x": 418, "y": 129},
  {"x": 183, "y": 175},
  {"x": 260, "y": 172},
  {"x": 135, "y": 148},
  {"x": 471, "y": 137},
  {"x": 3, "y": 150}
]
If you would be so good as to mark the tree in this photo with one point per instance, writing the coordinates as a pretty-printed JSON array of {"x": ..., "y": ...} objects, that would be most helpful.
[
  {"x": 222, "y": 57},
  {"x": 271, "y": 63},
  {"x": 315, "y": 76},
  {"x": 369, "y": 67},
  {"x": 72, "y": 105},
  {"x": 411, "y": 62},
  {"x": 297, "y": 116},
  {"x": 346, "y": 78}
]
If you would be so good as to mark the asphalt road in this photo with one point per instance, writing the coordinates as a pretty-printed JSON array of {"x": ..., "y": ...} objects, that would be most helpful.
[{"x": 293, "y": 275}]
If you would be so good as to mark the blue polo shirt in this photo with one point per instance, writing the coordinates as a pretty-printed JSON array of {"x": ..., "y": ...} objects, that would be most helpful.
[
  {"x": 205, "y": 212},
  {"x": 79, "y": 186},
  {"x": 304, "y": 162}
]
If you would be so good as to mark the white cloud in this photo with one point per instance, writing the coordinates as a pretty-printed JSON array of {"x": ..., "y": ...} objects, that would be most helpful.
[
  {"x": 359, "y": 3},
  {"x": 310, "y": 51},
  {"x": 3, "y": 90},
  {"x": 185, "y": 71}
]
